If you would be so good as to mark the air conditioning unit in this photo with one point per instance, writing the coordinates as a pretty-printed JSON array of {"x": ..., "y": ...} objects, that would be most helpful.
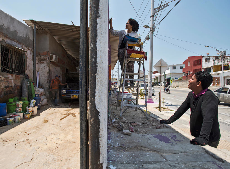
[{"x": 53, "y": 58}]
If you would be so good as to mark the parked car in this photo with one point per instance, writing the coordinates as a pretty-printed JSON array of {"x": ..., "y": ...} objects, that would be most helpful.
[
  {"x": 71, "y": 90},
  {"x": 223, "y": 94}
]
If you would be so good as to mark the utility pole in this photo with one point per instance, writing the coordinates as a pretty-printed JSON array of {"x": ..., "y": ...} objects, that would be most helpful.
[
  {"x": 222, "y": 54},
  {"x": 152, "y": 27}
]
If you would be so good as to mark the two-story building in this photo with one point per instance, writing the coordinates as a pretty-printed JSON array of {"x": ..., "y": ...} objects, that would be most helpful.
[
  {"x": 192, "y": 65},
  {"x": 220, "y": 70},
  {"x": 174, "y": 72}
]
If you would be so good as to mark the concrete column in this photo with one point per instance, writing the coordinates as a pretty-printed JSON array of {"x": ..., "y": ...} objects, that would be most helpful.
[{"x": 98, "y": 84}]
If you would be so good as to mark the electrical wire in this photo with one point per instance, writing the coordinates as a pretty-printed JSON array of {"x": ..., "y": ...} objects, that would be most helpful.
[
  {"x": 190, "y": 42},
  {"x": 169, "y": 11},
  {"x": 178, "y": 46}
]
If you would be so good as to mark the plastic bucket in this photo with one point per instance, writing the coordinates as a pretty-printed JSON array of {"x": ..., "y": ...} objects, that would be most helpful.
[
  {"x": 17, "y": 119},
  {"x": 10, "y": 120},
  {"x": 19, "y": 104},
  {"x": 20, "y": 114},
  {"x": 24, "y": 105},
  {"x": 18, "y": 110},
  {"x": 27, "y": 115},
  {"x": 11, "y": 107},
  {"x": 3, "y": 109},
  {"x": 11, "y": 100},
  {"x": 29, "y": 109},
  {"x": 34, "y": 110}
]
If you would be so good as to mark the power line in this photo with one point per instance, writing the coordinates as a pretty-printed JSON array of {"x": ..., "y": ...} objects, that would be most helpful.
[
  {"x": 177, "y": 45},
  {"x": 170, "y": 11},
  {"x": 190, "y": 42},
  {"x": 140, "y": 7}
]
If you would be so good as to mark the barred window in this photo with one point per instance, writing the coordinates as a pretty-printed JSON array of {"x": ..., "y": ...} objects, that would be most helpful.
[{"x": 12, "y": 60}]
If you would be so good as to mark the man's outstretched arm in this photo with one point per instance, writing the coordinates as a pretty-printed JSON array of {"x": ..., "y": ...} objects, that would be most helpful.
[{"x": 180, "y": 111}]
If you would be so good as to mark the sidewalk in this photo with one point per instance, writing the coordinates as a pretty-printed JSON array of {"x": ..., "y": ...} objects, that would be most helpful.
[{"x": 153, "y": 145}]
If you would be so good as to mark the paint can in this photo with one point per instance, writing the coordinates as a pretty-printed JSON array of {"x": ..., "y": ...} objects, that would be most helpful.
[
  {"x": 17, "y": 119},
  {"x": 10, "y": 120}
]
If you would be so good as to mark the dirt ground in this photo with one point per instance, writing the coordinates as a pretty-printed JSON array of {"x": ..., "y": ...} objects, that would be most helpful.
[
  {"x": 51, "y": 139},
  {"x": 47, "y": 140}
]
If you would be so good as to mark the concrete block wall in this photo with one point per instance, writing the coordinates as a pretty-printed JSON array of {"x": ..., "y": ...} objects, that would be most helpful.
[{"x": 16, "y": 34}]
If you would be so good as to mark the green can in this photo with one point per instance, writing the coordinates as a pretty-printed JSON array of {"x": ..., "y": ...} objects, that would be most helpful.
[
  {"x": 24, "y": 105},
  {"x": 11, "y": 107}
]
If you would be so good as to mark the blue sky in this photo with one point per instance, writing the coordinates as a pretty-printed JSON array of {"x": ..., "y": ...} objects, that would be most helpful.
[{"x": 204, "y": 22}]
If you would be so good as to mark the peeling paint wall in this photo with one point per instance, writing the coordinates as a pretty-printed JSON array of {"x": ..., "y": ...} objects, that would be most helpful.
[
  {"x": 43, "y": 66},
  {"x": 101, "y": 98},
  {"x": 17, "y": 34}
]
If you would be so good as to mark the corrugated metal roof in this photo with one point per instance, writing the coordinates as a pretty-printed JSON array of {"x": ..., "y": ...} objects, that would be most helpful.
[{"x": 67, "y": 35}]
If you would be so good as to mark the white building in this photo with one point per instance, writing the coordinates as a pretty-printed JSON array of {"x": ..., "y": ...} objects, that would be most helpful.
[
  {"x": 213, "y": 64},
  {"x": 174, "y": 72}
]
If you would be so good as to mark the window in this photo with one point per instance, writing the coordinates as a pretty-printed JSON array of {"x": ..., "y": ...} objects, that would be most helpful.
[
  {"x": 207, "y": 59},
  {"x": 12, "y": 60},
  {"x": 174, "y": 67},
  {"x": 228, "y": 82},
  {"x": 181, "y": 67},
  {"x": 188, "y": 63}
]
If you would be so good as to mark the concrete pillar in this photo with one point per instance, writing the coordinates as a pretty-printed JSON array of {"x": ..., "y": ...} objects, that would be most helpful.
[{"x": 98, "y": 84}]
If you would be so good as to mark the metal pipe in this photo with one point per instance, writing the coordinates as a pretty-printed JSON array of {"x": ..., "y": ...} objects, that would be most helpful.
[
  {"x": 34, "y": 59},
  {"x": 84, "y": 159}
]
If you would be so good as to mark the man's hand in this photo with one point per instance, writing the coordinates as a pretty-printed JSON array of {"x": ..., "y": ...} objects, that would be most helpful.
[{"x": 164, "y": 122}]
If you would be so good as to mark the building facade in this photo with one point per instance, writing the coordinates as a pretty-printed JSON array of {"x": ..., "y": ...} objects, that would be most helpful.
[
  {"x": 174, "y": 72},
  {"x": 192, "y": 65}
]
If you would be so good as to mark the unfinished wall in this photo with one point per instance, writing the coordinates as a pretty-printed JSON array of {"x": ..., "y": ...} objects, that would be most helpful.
[
  {"x": 15, "y": 34},
  {"x": 43, "y": 66}
]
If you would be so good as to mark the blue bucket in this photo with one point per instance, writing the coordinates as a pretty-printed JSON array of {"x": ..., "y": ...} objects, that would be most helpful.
[{"x": 3, "y": 109}]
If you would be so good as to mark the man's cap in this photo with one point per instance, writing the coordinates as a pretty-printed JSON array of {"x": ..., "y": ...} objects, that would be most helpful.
[{"x": 56, "y": 76}]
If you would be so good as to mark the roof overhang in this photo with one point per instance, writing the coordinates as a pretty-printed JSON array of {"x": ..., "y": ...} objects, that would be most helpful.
[{"x": 66, "y": 35}]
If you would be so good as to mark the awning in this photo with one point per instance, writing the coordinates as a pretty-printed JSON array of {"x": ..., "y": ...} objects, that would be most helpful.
[{"x": 67, "y": 35}]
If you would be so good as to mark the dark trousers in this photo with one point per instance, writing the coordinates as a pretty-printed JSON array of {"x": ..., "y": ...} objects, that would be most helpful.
[{"x": 55, "y": 96}]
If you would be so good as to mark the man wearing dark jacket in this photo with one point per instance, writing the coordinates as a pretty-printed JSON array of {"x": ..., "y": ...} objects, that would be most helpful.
[{"x": 203, "y": 103}]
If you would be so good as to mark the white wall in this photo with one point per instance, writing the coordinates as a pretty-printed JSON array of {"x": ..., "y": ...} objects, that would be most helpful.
[{"x": 207, "y": 64}]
